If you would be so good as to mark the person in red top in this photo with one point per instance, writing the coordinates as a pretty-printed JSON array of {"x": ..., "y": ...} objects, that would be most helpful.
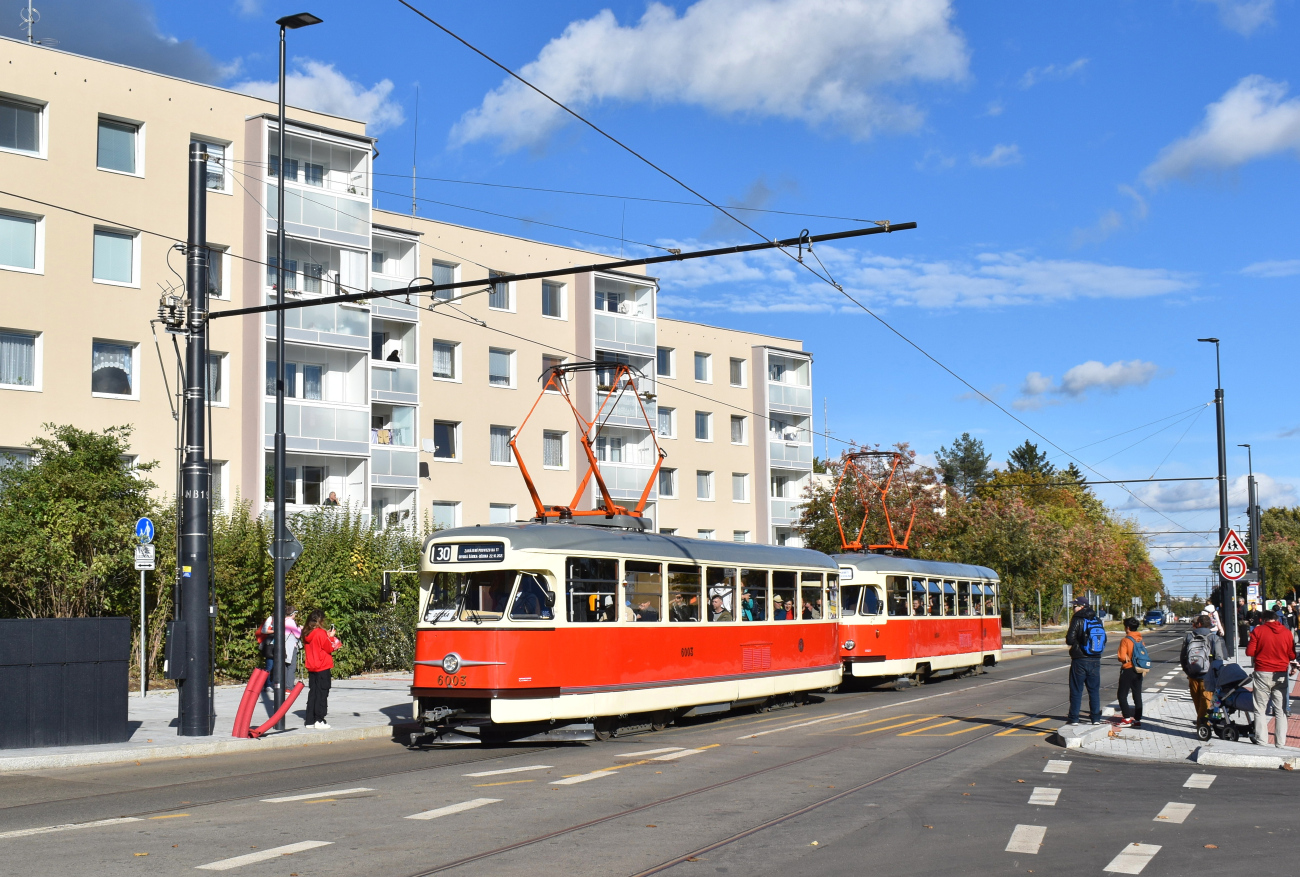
[
  {"x": 319, "y": 646},
  {"x": 1273, "y": 649}
]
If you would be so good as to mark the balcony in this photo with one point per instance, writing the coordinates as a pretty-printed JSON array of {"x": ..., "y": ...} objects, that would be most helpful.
[
  {"x": 394, "y": 383},
  {"x": 625, "y": 411},
  {"x": 397, "y": 307},
  {"x": 341, "y": 325},
  {"x": 786, "y": 511},
  {"x": 394, "y": 468},
  {"x": 626, "y": 480},
  {"x": 786, "y": 455},
  {"x": 789, "y": 397},
  {"x": 627, "y": 333},
  {"x": 323, "y": 428}
]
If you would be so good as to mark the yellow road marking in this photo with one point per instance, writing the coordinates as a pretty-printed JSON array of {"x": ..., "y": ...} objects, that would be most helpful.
[
  {"x": 891, "y": 727},
  {"x": 1011, "y": 732},
  {"x": 505, "y": 783},
  {"x": 320, "y": 801},
  {"x": 171, "y": 816},
  {"x": 878, "y": 721},
  {"x": 920, "y": 732}
]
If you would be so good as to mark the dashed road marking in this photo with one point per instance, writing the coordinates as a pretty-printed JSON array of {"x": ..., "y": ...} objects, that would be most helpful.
[
  {"x": 583, "y": 777},
  {"x": 455, "y": 808},
  {"x": 1175, "y": 813},
  {"x": 1057, "y": 767},
  {"x": 1044, "y": 796},
  {"x": 506, "y": 783},
  {"x": 287, "y": 798},
  {"x": 263, "y": 855},
  {"x": 649, "y": 752},
  {"x": 1027, "y": 839},
  {"x": 68, "y": 826},
  {"x": 1133, "y": 859},
  {"x": 494, "y": 773},
  {"x": 674, "y": 755},
  {"x": 1199, "y": 781}
]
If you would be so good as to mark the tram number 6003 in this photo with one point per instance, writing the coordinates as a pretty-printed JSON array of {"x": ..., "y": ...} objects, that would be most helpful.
[
  {"x": 688, "y": 651},
  {"x": 452, "y": 681}
]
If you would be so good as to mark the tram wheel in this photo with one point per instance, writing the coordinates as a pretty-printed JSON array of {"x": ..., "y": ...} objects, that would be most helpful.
[
  {"x": 605, "y": 729},
  {"x": 659, "y": 721}
]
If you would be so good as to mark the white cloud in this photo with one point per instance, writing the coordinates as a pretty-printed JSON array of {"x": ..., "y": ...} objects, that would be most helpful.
[
  {"x": 318, "y": 86},
  {"x": 1035, "y": 75},
  {"x": 1195, "y": 496},
  {"x": 1251, "y": 121},
  {"x": 934, "y": 160},
  {"x": 249, "y": 8},
  {"x": 995, "y": 108},
  {"x": 1091, "y": 375},
  {"x": 1002, "y": 155},
  {"x": 1275, "y": 268},
  {"x": 823, "y": 62},
  {"x": 1111, "y": 221},
  {"x": 1244, "y": 16}
]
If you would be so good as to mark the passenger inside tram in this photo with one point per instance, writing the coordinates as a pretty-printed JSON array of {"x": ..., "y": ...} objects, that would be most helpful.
[
  {"x": 784, "y": 607},
  {"x": 718, "y": 610}
]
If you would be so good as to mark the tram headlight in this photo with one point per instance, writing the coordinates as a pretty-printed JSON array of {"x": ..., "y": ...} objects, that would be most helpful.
[
  {"x": 451, "y": 663},
  {"x": 848, "y": 645}
]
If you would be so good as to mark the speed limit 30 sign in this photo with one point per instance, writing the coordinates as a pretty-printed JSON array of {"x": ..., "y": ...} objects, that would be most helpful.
[{"x": 1232, "y": 568}]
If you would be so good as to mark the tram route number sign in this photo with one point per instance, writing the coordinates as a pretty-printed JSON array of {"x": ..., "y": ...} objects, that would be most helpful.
[
  {"x": 468, "y": 552},
  {"x": 1232, "y": 567}
]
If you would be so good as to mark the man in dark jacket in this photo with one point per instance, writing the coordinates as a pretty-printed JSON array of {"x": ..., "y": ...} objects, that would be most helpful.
[{"x": 1085, "y": 669}]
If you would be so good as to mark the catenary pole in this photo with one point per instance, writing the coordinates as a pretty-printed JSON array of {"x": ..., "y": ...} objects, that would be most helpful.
[
  {"x": 1227, "y": 589},
  {"x": 278, "y": 515}
]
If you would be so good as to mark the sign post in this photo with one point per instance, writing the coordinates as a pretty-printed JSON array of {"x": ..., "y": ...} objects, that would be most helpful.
[{"x": 144, "y": 561}]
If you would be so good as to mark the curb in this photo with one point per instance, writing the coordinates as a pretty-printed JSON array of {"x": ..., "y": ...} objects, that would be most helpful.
[{"x": 1207, "y": 756}]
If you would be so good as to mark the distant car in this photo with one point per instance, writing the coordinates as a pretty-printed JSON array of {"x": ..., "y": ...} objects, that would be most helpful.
[{"x": 1154, "y": 618}]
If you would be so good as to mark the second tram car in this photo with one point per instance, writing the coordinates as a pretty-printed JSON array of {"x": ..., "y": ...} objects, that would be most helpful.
[
  {"x": 576, "y": 631},
  {"x": 910, "y": 618}
]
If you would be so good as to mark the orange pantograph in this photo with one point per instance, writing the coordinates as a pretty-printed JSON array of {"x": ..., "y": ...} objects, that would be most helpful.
[
  {"x": 617, "y": 381},
  {"x": 873, "y": 483}
]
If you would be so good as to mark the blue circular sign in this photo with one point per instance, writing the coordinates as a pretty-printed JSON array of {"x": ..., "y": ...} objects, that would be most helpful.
[{"x": 144, "y": 531}]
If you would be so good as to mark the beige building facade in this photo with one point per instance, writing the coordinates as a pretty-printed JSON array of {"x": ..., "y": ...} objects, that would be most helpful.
[{"x": 402, "y": 407}]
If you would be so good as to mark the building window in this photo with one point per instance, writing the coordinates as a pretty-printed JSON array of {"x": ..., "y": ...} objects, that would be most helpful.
[
  {"x": 112, "y": 369},
  {"x": 501, "y": 513},
  {"x": 20, "y": 126},
  {"x": 19, "y": 242},
  {"x": 290, "y": 168},
  {"x": 704, "y": 485},
  {"x": 668, "y": 531},
  {"x": 499, "y": 294},
  {"x": 444, "y": 515},
  {"x": 114, "y": 259},
  {"x": 550, "y": 361},
  {"x": 737, "y": 373},
  {"x": 217, "y": 379},
  {"x": 665, "y": 361},
  {"x": 667, "y": 426},
  {"x": 703, "y": 368},
  {"x": 739, "y": 535},
  {"x": 217, "y": 257},
  {"x": 216, "y": 165},
  {"x": 499, "y": 452},
  {"x": 445, "y": 444},
  {"x": 667, "y": 483},
  {"x": 553, "y": 450},
  {"x": 552, "y": 299},
  {"x": 500, "y": 367},
  {"x": 118, "y": 147},
  {"x": 19, "y": 360},
  {"x": 313, "y": 174},
  {"x": 703, "y": 426},
  {"x": 739, "y": 487},
  {"x": 704, "y": 534},
  {"x": 441, "y": 274},
  {"x": 738, "y": 429},
  {"x": 444, "y": 360}
]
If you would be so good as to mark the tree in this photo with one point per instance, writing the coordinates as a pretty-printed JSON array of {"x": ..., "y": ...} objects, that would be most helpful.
[
  {"x": 1026, "y": 458},
  {"x": 1279, "y": 551},
  {"x": 965, "y": 466}
]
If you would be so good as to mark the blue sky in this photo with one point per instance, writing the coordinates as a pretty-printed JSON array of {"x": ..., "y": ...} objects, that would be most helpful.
[{"x": 1094, "y": 190}]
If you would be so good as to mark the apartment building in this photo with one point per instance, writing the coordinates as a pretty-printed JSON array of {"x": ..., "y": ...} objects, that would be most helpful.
[{"x": 402, "y": 407}]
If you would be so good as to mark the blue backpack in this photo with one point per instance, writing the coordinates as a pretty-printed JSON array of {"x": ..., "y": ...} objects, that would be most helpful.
[
  {"x": 1141, "y": 658},
  {"x": 1094, "y": 637}
]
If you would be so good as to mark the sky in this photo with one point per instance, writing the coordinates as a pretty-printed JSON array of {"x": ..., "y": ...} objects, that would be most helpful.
[{"x": 1094, "y": 188}]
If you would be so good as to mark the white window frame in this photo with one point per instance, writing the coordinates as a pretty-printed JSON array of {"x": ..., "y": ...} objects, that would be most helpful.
[
  {"x": 672, "y": 422},
  {"x": 744, "y": 429},
  {"x": 562, "y": 359},
  {"x": 38, "y": 353},
  {"x": 744, "y": 371},
  {"x": 42, "y": 151},
  {"x": 667, "y": 531},
  {"x": 713, "y": 487},
  {"x": 511, "y": 508},
  {"x": 744, "y": 481},
  {"x": 227, "y": 176},
  {"x": 512, "y": 462},
  {"x": 456, "y": 446},
  {"x": 564, "y": 300},
  {"x": 457, "y": 371},
  {"x": 135, "y": 256},
  {"x": 707, "y": 535},
  {"x": 445, "y": 294},
  {"x": 564, "y": 448},
  {"x": 455, "y": 511},
  {"x": 708, "y": 367},
  {"x": 695, "y": 427},
  {"x": 671, "y": 374},
  {"x": 224, "y": 365},
  {"x": 135, "y": 369},
  {"x": 513, "y": 299},
  {"x": 220, "y": 485},
  {"x": 743, "y": 534},
  {"x": 223, "y": 252},
  {"x": 139, "y": 145},
  {"x": 673, "y": 478},
  {"x": 514, "y": 370},
  {"x": 38, "y": 258}
]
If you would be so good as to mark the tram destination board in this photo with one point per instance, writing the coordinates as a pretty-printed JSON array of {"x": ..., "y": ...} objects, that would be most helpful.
[{"x": 468, "y": 552}]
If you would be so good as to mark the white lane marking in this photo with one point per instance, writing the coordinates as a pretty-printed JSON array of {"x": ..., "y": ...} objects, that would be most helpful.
[
  {"x": 287, "y": 798},
  {"x": 67, "y": 826},
  {"x": 455, "y": 808},
  {"x": 263, "y": 855},
  {"x": 670, "y": 756},
  {"x": 1133, "y": 859},
  {"x": 1175, "y": 813},
  {"x": 583, "y": 777},
  {"x": 1057, "y": 767},
  {"x": 649, "y": 752},
  {"x": 1199, "y": 781},
  {"x": 1161, "y": 684},
  {"x": 493, "y": 773},
  {"x": 1026, "y": 839},
  {"x": 1044, "y": 796}
]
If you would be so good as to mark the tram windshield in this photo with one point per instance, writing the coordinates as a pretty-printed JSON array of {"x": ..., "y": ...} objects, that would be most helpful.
[
  {"x": 850, "y": 594},
  {"x": 480, "y": 596}
]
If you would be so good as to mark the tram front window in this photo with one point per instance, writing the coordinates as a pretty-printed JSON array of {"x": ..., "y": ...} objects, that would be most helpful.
[
  {"x": 591, "y": 587},
  {"x": 486, "y": 594},
  {"x": 871, "y": 601},
  {"x": 898, "y": 595},
  {"x": 644, "y": 590},
  {"x": 850, "y": 594},
  {"x": 810, "y": 595},
  {"x": 532, "y": 600},
  {"x": 783, "y": 596},
  {"x": 683, "y": 592},
  {"x": 753, "y": 595},
  {"x": 444, "y": 591}
]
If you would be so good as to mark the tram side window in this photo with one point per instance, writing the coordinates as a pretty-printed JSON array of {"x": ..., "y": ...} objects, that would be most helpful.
[
  {"x": 936, "y": 598},
  {"x": 991, "y": 600},
  {"x": 721, "y": 581},
  {"x": 899, "y": 596},
  {"x": 532, "y": 600},
  {"x": 810, "y": 595},
  {"x": 850, "y": 595},
  {"x": 783, "y": 595},
  {"x": 949, "y": 598},
  {"x": 753, "y": 595},
  {"x": 871, "y": 601},
  {"x": 487, "y": 594},
  {"x": 920, "y": 602},
  {"x": 645, "y": 590},
  {"x": 963, "y": 599},
  {"x": 591, "y": 586},
  {"x": 832, "y": 595},
  {"x": 444, "y": 591},
  {"x": 683, "y": 592}
]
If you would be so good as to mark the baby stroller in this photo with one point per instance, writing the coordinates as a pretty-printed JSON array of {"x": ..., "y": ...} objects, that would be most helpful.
[{"x": 1231, "y": 696}]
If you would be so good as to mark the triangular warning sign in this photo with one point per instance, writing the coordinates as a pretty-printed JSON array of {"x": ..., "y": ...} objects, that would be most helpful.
[{"x": 1233, "y": 544}]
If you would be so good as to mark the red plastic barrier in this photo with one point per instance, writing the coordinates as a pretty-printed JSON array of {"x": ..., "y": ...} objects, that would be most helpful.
[
  {"x": 279, "y": 714},
  {"x": 244, "y": 715}
]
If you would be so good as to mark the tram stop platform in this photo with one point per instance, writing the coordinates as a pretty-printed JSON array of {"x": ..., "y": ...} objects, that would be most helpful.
[
  {"x": 372, "y": 705},
  {"x": 1168, "y": 732}
]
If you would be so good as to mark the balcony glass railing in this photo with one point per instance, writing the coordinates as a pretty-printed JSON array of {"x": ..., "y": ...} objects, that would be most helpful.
[
  {"x": 625, "y": 476},
  {"x": 393, "y": 435},
  {"x": 322, "y": 422},
  {"x": 314, "y": 207},
  {"x": 387, "y": 379},
  {"x": 625, "y": 330},
  {"x": 626, "y": 407},
  {"x": 386, "y": 462},
  {"x": 788, "y": 509},
  {"x": 330, "y": 318},
  {"x": 785, "y": 394},
  {"x": 795, "y": 454}
]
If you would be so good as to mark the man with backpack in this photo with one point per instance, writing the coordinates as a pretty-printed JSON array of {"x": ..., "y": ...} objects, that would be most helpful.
[
  {"x": 1273, "y": 650},
  {"x": 1134, "y": 662},
  {"x": 1086, "y": 638},
  {"x": 1202, "y": 655}
]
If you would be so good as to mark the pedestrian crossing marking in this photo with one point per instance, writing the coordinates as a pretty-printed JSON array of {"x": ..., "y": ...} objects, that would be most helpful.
[
  {"x": 1133, "y": 859},
  {"x": 263, "y": 855},
  {"x": 1027, "y": 839},
  {"x": 455, "y": 808},
  {"x": 1057, "y": 767},
  {"x": 1175, "y": 813},
  {"x": 1044, "y": 796},
  {"x": 1199, "y": 781}
]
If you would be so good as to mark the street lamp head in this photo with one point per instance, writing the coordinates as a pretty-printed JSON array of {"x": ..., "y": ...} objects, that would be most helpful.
[
  {"x": 302, "y": 19},
  {"x": 1210, "y": 340},
  {"x": 1243, "y": 446}
]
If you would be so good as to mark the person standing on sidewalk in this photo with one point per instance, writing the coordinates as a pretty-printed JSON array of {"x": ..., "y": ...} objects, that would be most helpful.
[
  {"x": 1212, "y": 614},
  {"x": 319, "y": 646},
  {"x": 1201, "y": 657},
  {"x": 1086, "y": 638},
  {"x": 1273, "y": 649},
  {"x": 1133, "y": 665}
]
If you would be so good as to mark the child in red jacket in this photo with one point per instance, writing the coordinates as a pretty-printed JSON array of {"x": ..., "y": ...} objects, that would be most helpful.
[{"x": 319, "y": 646}]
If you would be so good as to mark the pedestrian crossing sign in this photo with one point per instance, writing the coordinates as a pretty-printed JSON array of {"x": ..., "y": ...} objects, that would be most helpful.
[{"x": 1233, "y": 544}]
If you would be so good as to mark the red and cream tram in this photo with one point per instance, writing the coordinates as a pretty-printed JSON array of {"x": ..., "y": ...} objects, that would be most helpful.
[
  {"x": 567, "y": 630},
  {"x": 911, "y": 618}
]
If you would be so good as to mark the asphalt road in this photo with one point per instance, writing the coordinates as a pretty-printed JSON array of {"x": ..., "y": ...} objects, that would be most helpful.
[{"x": 932, "y": 780}]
